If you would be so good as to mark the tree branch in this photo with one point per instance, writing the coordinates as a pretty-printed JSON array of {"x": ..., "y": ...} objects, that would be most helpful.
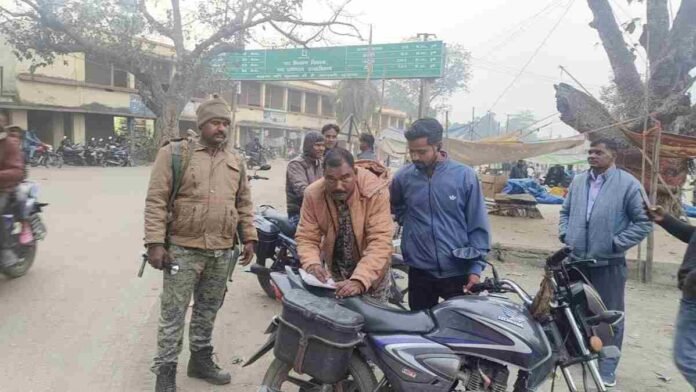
[
  {"x": 670, "y": 72},
  {"x": 4, "y": 10},
  {"x": 657, "y": 29},
  {"x": 156, "y": 25},
  {"x": 626, "y": 76},
  {"x": 177, "y": 31}
]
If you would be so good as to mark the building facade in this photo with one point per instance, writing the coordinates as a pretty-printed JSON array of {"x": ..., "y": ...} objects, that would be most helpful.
[
  {"x": 278, "y": 113},
  {"x": 77, "y": 96}
]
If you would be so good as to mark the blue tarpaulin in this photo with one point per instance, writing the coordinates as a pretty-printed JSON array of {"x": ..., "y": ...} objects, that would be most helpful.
[
  {"x": 519, "y": 186},
  {"x": 690, "y": 211}
]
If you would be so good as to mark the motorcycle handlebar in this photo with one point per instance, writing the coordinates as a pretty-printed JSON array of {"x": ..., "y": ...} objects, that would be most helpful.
[{"x": 558, "y": 257}]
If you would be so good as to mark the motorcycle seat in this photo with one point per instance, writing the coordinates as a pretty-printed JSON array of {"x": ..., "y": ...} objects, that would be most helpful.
[
  {"x": 383, "y": 319},
  {"x": 280, "y": 220}
]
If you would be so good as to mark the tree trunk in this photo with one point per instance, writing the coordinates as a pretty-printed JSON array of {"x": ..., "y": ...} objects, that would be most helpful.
[{"x": 167, "y": 122}]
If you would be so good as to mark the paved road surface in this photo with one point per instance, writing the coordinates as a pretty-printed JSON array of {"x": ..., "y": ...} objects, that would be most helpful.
[{"x": 82, "y": 321}]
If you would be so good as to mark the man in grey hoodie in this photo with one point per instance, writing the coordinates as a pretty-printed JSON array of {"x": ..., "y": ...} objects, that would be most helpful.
[
  {"x": 602, "y": 217},
  {"x": 303, "y": 171}
]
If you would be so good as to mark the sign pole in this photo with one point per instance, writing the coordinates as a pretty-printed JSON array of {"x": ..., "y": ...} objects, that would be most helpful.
[{"x": 424, "y": 85}]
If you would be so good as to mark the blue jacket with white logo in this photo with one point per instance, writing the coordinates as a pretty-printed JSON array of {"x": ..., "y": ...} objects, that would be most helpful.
[{"x": 440, "y": 214}]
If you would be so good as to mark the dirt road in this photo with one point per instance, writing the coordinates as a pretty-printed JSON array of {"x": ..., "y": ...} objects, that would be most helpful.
[{"x": 82, "y": 321}]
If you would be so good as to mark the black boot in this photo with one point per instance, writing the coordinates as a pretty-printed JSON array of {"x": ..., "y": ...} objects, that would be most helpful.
[
  {"x": 201, "y": 366},
  {"x": 166, "y": 378}
]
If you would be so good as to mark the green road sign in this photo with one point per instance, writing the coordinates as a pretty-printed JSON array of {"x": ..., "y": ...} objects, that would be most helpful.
[{"x": 409, "y": 60}]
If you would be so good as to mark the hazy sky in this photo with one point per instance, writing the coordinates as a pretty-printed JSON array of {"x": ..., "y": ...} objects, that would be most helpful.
[{"x": 502, "y": 35}]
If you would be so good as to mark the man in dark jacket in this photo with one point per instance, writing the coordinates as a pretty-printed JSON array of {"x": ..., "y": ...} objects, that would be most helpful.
[
  {"x": 519, "y": 170},
  {"x": 442, "y": 210},
  {"x": 685, "y": 332},
  {"x": 367, "y": 147},
  {"x": 302, "y": 171},
  {"x": 11, "y": 174}
]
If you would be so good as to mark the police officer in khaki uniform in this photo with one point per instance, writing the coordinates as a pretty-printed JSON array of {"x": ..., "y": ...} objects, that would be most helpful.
[{"x": 211, "y": 207}]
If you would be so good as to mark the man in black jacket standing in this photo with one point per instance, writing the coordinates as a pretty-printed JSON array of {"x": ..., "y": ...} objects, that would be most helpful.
[{"x": 685, "y": 332}]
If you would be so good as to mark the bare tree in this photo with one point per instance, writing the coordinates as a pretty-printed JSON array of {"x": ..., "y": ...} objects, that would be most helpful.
[
  {"x": 670, "y": 53},
  {"x": 121, "y": 32}
]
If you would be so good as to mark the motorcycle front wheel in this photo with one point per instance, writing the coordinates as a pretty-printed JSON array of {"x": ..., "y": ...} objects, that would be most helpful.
[
  {"x": 26, "y": 255},
  {"x": 281, "y": 377},
  {"x": 265, "y": 282}
]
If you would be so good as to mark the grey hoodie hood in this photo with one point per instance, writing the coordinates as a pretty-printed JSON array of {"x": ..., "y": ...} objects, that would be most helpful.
[{"x": 310, "y": 139}]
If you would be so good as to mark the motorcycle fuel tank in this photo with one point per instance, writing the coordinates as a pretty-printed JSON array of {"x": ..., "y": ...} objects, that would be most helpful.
[{"x": 493, "y": 328}]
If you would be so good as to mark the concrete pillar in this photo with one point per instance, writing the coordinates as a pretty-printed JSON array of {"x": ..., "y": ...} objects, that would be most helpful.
[
  {"x": 78, "y": 126},
  {"x": 303, "y": 108},
  {"x": 19, "y": 117},
  {"x": 57, "y": 127},
  {"x": 263, "y": 95}
]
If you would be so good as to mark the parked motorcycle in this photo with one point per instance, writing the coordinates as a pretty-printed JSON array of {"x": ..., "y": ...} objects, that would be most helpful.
[
  {"x": 71, "y": 154},
  {"x": 116, "y": 155},
  {"x": 463, "y": 344},
  {"x": 22, "y": 220}
]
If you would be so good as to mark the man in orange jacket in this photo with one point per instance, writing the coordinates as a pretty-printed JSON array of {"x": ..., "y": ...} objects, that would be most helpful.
[{"x": 346, "y": 223}]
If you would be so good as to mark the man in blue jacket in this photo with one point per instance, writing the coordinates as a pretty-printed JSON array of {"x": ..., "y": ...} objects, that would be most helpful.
[
  {"x": 602, "y": 217},
  {"x": 443, "y": 213}
]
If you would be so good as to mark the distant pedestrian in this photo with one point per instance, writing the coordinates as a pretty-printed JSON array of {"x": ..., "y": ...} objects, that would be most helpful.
[
  {"x": 197, "y": 202},
  {"x": 330, "y": 132},
  {"x": 531, "y": 173},
  {"x": 439, "y": 203},
  {"x": 685, "y": 331},
  {"x": 303, "y": 171},
  {"x": 367, "y": 147},
  {"x": 602, "y": 218},
  {"x": 518, "y": 171}
]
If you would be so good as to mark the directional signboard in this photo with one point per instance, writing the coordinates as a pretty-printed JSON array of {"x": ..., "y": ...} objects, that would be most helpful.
[{"x": 409, "y": 60}]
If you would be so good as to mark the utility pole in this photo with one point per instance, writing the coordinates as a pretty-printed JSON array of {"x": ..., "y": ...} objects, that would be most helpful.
[
  {"x": 446, "y": 129},
  {"x": 473, "y": 123},
  {"x": 425, "y": 84},
  {"x": 507, "y": 124}
]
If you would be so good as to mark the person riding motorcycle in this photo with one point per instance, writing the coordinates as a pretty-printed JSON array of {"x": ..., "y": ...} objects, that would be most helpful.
[
  {"x": 11, "y": 174},
  {"x": 254, "y": 146},
  {"x": 30, "y": 142}
]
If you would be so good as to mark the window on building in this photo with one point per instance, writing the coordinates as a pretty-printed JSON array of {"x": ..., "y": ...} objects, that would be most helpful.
[
  {"x": 275, "y": 97},
  {"x": 327, "y": 106},
  {"x": 311, "y": 103},
  {"x": 401, "y": 123},
  {"x": 97, "y": 70},
  {"x": 294, "y": 101},
  {"x": 250, "y": 94},
  {"x": 120, "y": 78}
]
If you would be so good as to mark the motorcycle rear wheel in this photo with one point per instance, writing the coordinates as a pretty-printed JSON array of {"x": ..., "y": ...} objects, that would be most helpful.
[
  {"x": 26, "y": 255},
  {"x": 360, "y": 378}
]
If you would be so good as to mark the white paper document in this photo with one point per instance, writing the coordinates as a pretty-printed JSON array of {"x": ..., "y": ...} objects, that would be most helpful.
[{"x": 313, "y": 281}]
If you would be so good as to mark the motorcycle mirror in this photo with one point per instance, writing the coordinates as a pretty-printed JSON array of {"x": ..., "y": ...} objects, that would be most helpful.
[{"x": 265, "y": 167}]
